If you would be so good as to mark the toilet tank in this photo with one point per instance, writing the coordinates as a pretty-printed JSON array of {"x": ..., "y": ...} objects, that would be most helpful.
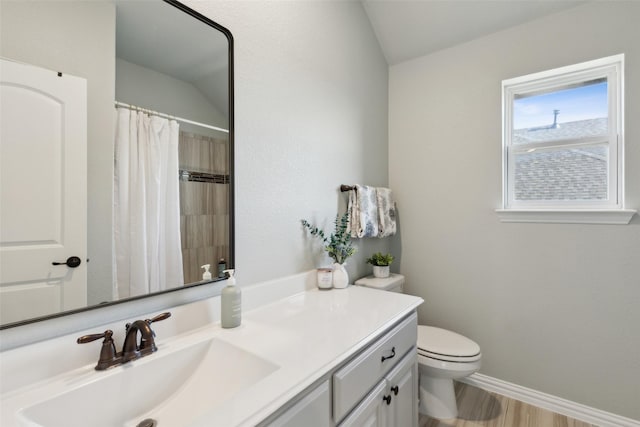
[{"x": 393, "y": 283}]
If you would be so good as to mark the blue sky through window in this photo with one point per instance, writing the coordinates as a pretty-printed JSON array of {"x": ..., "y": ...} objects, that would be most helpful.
[{"x": 579, "y": 103}]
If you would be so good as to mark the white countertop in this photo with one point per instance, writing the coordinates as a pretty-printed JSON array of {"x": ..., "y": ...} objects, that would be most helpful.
[{"x": 305, "y": 335}]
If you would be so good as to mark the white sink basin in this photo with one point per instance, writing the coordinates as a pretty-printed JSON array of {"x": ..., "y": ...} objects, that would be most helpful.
[{"x": 172, "y": 387}]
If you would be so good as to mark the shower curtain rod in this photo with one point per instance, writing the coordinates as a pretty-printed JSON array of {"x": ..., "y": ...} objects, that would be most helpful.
[{"x": 167, "y": 116}]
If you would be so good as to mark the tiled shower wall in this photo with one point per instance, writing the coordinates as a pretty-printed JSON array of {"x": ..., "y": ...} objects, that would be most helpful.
[{"x": 204, "y": 206}]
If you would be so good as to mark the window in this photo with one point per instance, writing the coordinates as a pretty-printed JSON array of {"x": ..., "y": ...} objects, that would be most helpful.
[{"x": 562, "y": 144}]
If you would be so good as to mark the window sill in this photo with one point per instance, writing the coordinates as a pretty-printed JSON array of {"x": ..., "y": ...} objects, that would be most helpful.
[{"x": 612, "y": 216}]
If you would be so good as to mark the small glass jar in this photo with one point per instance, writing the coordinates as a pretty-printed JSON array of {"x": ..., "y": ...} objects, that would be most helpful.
[{"x": 325, "y": 278}]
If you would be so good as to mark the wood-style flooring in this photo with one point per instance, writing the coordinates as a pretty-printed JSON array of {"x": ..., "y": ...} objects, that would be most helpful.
[{"x": 480, "y": 408}]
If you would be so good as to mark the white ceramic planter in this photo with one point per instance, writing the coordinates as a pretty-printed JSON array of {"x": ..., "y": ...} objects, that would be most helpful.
[
  {"x": 340, "y": 276},
  {"x": 381, "y": 271}
]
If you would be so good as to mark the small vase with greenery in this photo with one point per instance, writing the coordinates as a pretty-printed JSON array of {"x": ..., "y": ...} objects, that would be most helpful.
[
  {"x": 338, "y": 246},
  {"x": 380, "y": 264}
]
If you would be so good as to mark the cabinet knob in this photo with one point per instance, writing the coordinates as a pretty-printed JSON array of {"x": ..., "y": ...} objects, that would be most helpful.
[
  {"x": 395, "y": 390},
  {"x": 387, "y": 399}
]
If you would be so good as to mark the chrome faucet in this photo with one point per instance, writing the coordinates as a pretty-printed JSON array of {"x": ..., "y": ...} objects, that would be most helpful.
[{"x": 132, "y": 348}]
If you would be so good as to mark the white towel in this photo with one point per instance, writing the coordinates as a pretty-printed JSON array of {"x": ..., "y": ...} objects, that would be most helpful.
[
  {"x": 386, "y": 212},
  {"x": 363, "y": 212}
]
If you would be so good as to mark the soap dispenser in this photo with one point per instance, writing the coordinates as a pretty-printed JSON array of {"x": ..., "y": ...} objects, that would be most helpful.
[
  {"x": 222, "y": 266},
  {"x": 207, "y": 274},
  {"x": 231, "y": 300}
]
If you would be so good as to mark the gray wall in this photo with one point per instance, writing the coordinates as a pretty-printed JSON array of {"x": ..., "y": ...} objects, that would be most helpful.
[
  {"x": 554, "y": 307},
  {"x": 150, "y": 89},
  {"x": 311, "y": 114},
  {"x": 77, "y": 38}
]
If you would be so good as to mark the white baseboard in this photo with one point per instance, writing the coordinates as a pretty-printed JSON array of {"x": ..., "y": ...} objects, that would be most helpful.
[{"x": 549, "y": 402}]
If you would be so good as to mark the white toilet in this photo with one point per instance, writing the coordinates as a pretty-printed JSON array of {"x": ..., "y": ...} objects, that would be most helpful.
[{"x": 442, "y": 357}]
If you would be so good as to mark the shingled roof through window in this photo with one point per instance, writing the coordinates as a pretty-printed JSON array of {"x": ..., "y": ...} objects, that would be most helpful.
[
  {"x": 578, "y": 173},
  {"x": 569, "y": 130}
]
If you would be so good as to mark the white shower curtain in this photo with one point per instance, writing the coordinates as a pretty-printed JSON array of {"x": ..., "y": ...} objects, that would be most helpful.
[{"x": 146, "y": 205}]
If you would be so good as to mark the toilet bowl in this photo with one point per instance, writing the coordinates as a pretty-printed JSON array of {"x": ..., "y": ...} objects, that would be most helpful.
[{"x": 442, "y": 357}]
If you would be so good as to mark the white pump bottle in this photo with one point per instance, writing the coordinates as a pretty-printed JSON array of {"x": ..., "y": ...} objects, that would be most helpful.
[
  {"x": 207, "y": 274},
  {"x": 231, "y": 299}
]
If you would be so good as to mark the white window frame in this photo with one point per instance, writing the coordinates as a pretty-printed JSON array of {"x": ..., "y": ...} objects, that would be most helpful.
[{"x": 610, "y": 211}]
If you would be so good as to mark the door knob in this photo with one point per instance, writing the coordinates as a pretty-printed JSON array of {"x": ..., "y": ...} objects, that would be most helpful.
[{"x": 72, "y": 261}]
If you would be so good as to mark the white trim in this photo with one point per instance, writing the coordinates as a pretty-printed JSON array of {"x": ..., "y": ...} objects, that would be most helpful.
[
  {"x": 574, "y": 216},
  {"x": 611, "y": 68},
  {"x": 549, "y": 402},
  {"x": 601, "y": 62},
  {"x": 528, "y": 147}
]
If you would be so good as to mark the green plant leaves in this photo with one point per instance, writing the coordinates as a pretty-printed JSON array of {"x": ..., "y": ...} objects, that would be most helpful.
[
  {"x": 338, "y": 244},
  {"x": 380, "y": 260}
]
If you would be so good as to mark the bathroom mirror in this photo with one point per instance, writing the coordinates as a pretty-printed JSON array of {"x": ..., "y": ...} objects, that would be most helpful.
[{"x": 107, "y": 66}]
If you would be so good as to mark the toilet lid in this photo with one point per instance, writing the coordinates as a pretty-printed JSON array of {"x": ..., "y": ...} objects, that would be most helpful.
[{"x": 443, "y": 344}]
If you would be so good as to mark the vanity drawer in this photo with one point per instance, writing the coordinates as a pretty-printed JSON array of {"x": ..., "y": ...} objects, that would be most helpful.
[{"x": 352, "y": 382}]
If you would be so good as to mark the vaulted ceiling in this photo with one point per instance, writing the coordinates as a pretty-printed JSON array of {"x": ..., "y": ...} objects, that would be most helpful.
[{"x": 410, "y": 29}]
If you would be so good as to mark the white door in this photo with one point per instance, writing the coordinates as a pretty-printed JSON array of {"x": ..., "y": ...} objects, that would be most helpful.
[{"x": 43, "y": 191}]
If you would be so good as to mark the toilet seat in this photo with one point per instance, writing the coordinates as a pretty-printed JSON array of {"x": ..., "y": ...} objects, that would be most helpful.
[{"x": 441, "y": 344}]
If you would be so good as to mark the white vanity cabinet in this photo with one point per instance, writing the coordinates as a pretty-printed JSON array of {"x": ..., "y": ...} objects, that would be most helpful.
[
  {"x": 310, "y": 411},
  {"x": 393, "y": 402},
  {"x": 371, "y": 412},
  {"x": 378, "y": 387},
  {"x": 402, "y": 385},
  {"x": 310, "y": 359},
  {"x": 387, "y": 366}
]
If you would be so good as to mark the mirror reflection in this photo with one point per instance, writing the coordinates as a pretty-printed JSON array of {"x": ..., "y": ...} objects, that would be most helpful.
[{"x": 116, "y": 150}]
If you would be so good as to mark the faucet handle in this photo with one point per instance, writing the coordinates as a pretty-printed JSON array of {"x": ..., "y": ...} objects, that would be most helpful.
[
  {"x": 108, "y": 355},
  {"x": 88, "y": 338},
  {"x": 159, "y": 317},
  {"x": 148, "y": 343}
]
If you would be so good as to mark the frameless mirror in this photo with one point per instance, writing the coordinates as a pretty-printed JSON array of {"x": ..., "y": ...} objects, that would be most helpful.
[{"x": 116, "y": 153}]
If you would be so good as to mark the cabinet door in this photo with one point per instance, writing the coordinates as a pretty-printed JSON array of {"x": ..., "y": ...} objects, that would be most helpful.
[
  {"x": 402, "y": 386},
  {"x": 372, "y": 411},
  {"x": 356, "y": 378},
  {"x": 313, "y": 410}
]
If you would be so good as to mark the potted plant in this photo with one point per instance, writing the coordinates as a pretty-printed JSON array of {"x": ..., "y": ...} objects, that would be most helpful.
[
  {"x": 338, "y": 246},
  {"x": 380, "y": 264}
]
